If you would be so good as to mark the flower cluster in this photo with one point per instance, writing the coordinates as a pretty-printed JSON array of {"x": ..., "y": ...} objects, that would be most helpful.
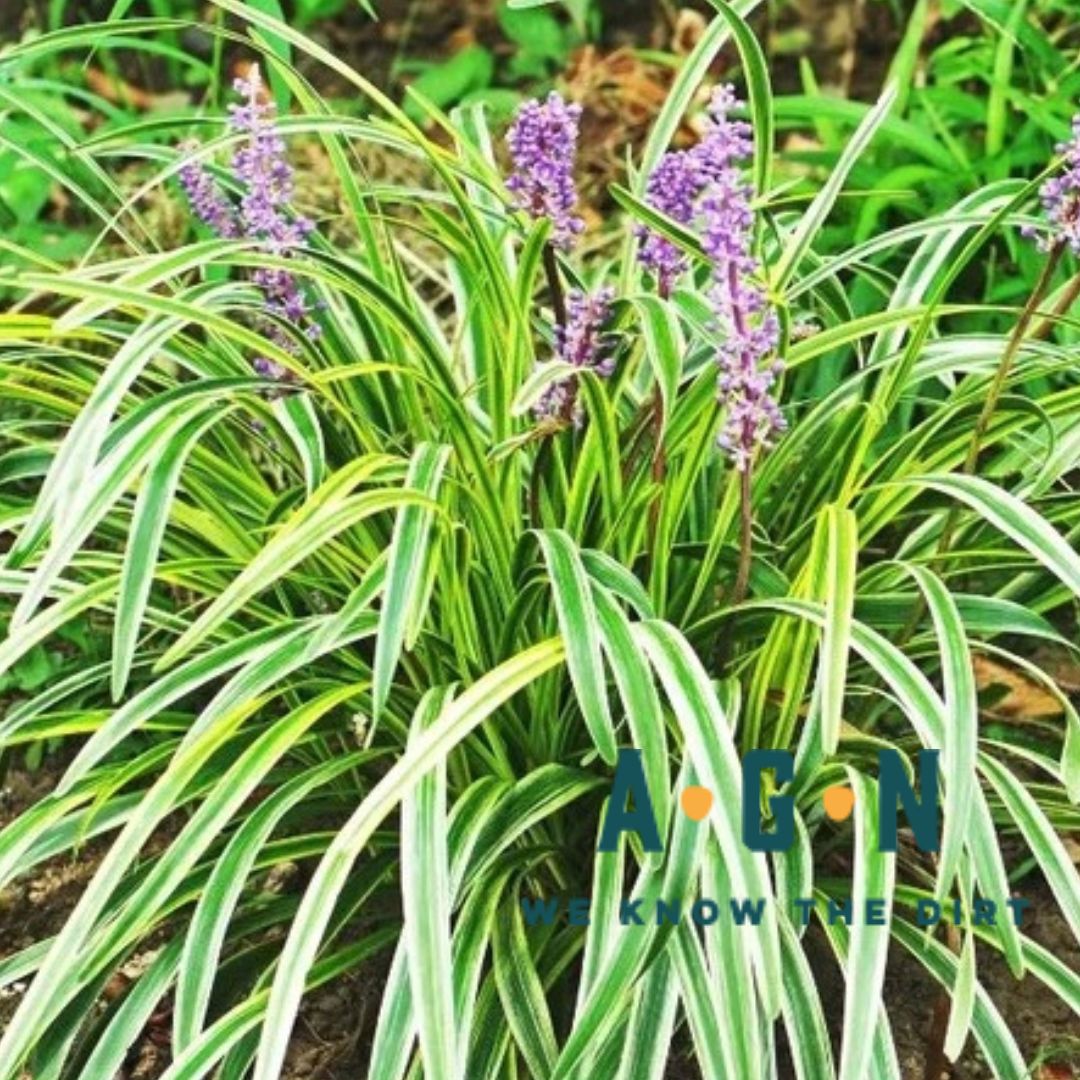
[
  {"x": 543, "y": 142},
  {"x": 706, "y": 184},
  {"x": 263, "y": 215},
  {"x": 676, "y": 185},
  {"x": 1060, "y": 196},
  {"x": 583, "y": 343},
  {"x": 210, "y": 206},
  {"x": 673, "y": 189}
]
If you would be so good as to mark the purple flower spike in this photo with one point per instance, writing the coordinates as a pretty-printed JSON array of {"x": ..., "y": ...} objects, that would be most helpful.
[
  {"x": 261, "y": 166},
  {"x": 543, "y": 144},
  {"x": 583, "y": 343},
  {"x": 1060, "y": 196},
  {"x": 750, "y": 328},
  {"x": 681, "y": 176},
  {"x": 672, "y": 189},
  {"x": 268, "y": 178},
  {"x": 207, "y": 201},
  {"x": 751, "y": 331},
  {"x": 704, "y": 185}
]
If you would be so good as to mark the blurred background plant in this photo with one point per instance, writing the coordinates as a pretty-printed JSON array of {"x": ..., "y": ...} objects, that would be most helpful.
[{"x": 986, "y": 87}]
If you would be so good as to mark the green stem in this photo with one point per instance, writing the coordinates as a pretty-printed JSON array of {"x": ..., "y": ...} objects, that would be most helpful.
[
  {"x": 721, "y": 654},
  {"x": 558, "y": 306},
  {"x": 982, "y": 425},
  {"x": 1065, "y": 302},
  {"x": 558, "y": 298},
  {"x": 659, "y": 469},
  {"x": 746, "y": 538}
]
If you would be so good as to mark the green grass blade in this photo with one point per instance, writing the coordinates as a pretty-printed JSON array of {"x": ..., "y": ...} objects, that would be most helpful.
[
  {"x": 296, "y": 414},
  {"x": 293, "y": 543},
  {"x": 651, "y": 1025},
  {"x": 148, "y": 523},
  {"x": 804, "y": 1019},
  {"x": 634, "y": 680},
  {"x": 580, "y": 629},
  {"x": 1014, "y": 518},
  {"x": 842, "y": 547},
  {"x": 756, "y": 73},
  {"x": 811, "y": 221},
  {"x": 426, "y": 900},
  {"x": 207, "y": 932},
  {"x": 522, "y": 994},
  {"x": 404, "y": 576},
  {"x": 1042, "y": 840},
  {"x": 992, "y": 1033},
  {"x": 873, "y": 876},
  {"x": 711, "y": 747},
  {"x": 457, "y": 720},
  {"x": 961, "y": 734}
]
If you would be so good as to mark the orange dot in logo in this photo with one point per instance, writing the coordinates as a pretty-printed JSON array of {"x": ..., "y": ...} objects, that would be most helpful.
[
  {"x": 696, "y": 802},
  {"x": 839, "y": 802}
]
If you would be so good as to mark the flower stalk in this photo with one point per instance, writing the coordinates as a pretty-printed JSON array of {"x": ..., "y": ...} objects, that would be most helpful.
[{"x": 705, "y": 185}]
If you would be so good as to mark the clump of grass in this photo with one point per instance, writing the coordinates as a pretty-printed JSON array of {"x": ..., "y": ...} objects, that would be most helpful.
[{"x": 385, "y": 600}]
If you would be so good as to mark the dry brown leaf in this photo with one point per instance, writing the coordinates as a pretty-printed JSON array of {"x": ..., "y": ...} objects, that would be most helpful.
[
  {"x": 1050, "y": 1071},
  {"x": 690, "y": 25},
  {"x": 1072, "y": 846},
  {"x": 1061, "y": 665},
  {"x": 461, "y": 38},
  {"x": 117, "y": 90},
  {"x": 621, "y": 94},
  {"x": 1024, "y": 699}
]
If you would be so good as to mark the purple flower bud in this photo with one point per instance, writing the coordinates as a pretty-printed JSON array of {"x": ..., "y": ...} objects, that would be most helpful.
[
  {"x": 1060, "y": 197},
  {"x": 268, "y": 369},
  {"x": 206, "y": 198},
  {"x": 583, "y": 343},
  {"x": 543, "y": 143}
]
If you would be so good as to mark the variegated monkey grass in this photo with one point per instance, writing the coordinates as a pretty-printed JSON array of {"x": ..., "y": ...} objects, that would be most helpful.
[{"x": 329, "y": 597}]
